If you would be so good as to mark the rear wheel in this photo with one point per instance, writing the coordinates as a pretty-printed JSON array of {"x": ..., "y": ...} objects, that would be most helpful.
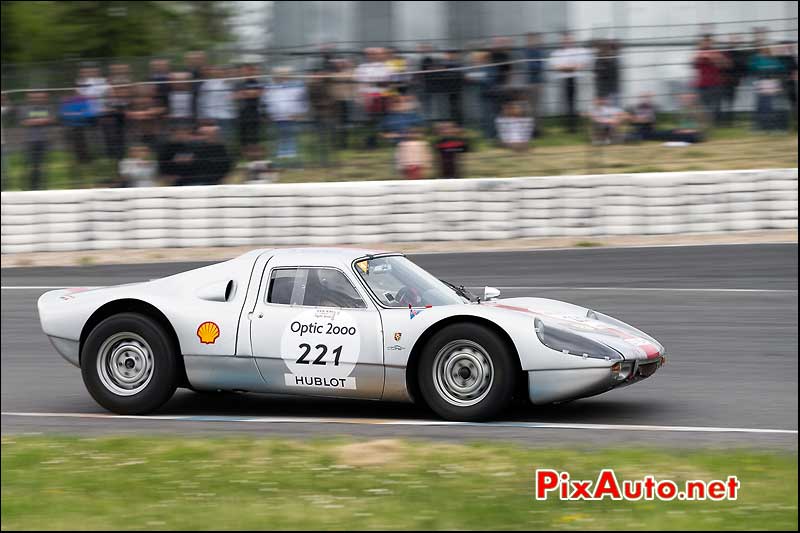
[
  {"x": 129, "y": 365},
  {"x": 466, "y": 373}
]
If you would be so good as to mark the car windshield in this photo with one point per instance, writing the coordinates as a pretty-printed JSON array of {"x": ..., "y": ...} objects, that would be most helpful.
[{"x": 397, "y": 282}]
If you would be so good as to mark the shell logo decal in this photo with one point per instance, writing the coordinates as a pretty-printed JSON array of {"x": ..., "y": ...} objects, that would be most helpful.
[{"x": 208, "y": 332}]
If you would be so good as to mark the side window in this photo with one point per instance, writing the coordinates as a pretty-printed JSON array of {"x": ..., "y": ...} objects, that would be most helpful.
[
  {"x": 313, "y": 287},
  {"x": 330, "y": 288},
  {"x": 287, "y": 286}
]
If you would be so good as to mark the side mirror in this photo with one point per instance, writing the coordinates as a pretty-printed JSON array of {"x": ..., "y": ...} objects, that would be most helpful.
[{"x": 490, "y": 293}]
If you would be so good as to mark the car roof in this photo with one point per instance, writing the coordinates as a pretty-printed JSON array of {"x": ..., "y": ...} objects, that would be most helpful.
[{"x": 322, "y": 255}]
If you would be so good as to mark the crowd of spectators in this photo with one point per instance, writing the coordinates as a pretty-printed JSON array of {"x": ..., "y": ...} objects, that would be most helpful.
[{"x": 191, "y": 123}]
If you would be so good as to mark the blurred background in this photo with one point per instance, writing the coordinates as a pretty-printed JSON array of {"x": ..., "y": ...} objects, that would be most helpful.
[{"x": 124, "y": 94}]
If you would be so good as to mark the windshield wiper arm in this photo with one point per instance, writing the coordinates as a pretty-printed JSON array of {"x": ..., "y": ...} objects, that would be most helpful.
[{"x": 460, "y": 290}]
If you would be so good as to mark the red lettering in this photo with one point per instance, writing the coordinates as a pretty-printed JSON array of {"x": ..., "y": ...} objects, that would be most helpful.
[
  {"x": 546, "y": 481},
  {"x": 607, "y": 485}
]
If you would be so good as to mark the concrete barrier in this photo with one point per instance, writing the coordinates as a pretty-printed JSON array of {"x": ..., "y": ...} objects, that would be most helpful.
[{"x": 399, "y": 211}]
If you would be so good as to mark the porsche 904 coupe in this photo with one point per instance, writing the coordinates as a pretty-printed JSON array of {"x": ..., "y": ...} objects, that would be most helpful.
[{"x": 338, "y": 322}]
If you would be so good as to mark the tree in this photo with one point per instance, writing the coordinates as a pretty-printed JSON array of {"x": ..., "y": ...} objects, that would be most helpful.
[{"x": 53, "y": 31}]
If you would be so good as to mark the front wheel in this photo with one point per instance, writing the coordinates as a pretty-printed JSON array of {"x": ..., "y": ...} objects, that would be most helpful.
[
  {"x": 129, "y": 365},
  {"x": 466, "y": 373}
]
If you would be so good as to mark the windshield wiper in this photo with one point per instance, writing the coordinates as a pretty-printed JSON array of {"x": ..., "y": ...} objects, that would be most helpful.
[{"x": 460, "y": 290}]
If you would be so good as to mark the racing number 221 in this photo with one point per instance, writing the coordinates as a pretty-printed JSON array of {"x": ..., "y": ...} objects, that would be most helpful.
[{"x": 322, "y": 351}]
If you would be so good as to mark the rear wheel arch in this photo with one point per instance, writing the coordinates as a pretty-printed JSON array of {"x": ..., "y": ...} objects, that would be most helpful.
[
  {"x": 132, "y": 305},
  {"x": 412, "y": 366}
]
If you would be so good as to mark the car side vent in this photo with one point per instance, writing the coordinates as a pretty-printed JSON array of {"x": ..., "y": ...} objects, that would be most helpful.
[{"x": 219, "y": 291}]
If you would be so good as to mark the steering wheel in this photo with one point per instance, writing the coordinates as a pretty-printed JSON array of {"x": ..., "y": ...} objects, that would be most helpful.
[{"x": 409, "y": 296}]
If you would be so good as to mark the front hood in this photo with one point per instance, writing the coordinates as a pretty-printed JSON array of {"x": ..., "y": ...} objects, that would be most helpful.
[{"x": 624, "y": 338}]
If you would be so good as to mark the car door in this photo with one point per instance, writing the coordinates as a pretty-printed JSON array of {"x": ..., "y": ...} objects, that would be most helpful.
[{"x": 313, "y": 332}]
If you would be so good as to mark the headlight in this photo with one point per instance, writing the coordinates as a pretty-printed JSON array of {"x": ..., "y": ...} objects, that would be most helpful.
[{"x": 571, "y": 343}]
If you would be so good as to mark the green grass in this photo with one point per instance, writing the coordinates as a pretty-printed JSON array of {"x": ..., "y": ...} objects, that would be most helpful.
[
  {"x": 556, "y": 153},
  {"x": 245, "y": 483}
]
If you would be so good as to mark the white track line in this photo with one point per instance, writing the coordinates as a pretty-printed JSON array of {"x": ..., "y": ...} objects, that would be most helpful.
[
  {"x": 395, "y": 422},
  {"x": 44, "y": 287},
  {"x": 662, "y": 289}
]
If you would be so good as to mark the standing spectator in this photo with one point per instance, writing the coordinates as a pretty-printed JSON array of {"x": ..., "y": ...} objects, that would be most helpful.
[
  {"x": 95, "y": 88},
  {"x": 286, "y": 105},
  {"x": 514, "y": 128},
  {"x": 500, "y": 58},
  {"x": 195, "y": 64},
  {"x": 372, "y": 77},
  {"x": 708, "y": 64},
  {"x": 425, "y": 82},
  {"x": 119, "y": 74},
  {"x": 501, "y": 53},
  {"x": 768, "y": 73},
  {"x": 76, "y": 114},
  {"x": 788, "y": 56},
  {"x": 143, "y": 117},
  {"x": 536, "y": 55},
  {"x": 248, "y": 95},
  {"x": 37, "y": 119},
  {"x": 323, "y": 109},
  {"x": 160, "y": 74},
  {"x": 397, "y": 66},
  {"x": 344, "y": 95},
  {"x": 180, "y": 99},
  {"x": 450, "y": 144},
  {"x": 606, "y": 71},
  {"x": 569, "y": 62},
  {"x": 6, "y": 110},
  {"x": 216, "y": 102},
  {"x": 484, "y": 78},
  {"x": 413, "y": 155},
  {"x": 733, "y": 71},
  {"x": 606, "y": 121},
  {"x": 138, "y": 169},
  {"x": 116, "y": 118},
  {"x": 452, "y": 85}
]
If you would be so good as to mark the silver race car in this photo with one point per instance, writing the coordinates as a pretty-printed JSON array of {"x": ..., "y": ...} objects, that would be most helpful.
[{"x": 338, "y": 322}]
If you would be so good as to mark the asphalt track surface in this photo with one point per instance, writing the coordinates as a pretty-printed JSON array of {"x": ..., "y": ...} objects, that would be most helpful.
[{"x": 728, "y": 315}]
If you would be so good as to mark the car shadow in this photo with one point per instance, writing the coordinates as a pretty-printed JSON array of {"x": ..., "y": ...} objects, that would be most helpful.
[{"x": 589, "y": 411}]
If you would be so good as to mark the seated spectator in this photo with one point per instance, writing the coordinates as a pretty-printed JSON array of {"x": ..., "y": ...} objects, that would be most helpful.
[
  {"x": 691, "y": 121},
  {"x": 643, "y": 119},
  {"x": 606, "y": 121},
  {"x": 401, "y": 118},
  {"x": 514, "y": 129},
  {"x": 213, "y": 162},
  {"x": 450, "y": 144},
  {"x": 137, "y": 169},
  {"x": 413, "y": 156},
  {"x": 177, "y": 158}
]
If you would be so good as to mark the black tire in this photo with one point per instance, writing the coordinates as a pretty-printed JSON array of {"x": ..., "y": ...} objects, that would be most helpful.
[
  {"x": 164, "y": 364},
  {"x": 500, "y": 390}
]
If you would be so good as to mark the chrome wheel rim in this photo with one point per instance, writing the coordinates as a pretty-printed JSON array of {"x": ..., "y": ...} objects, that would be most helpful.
[
  {"x": 463, "y": 373},
  {"x": 125, "y": 363}
]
